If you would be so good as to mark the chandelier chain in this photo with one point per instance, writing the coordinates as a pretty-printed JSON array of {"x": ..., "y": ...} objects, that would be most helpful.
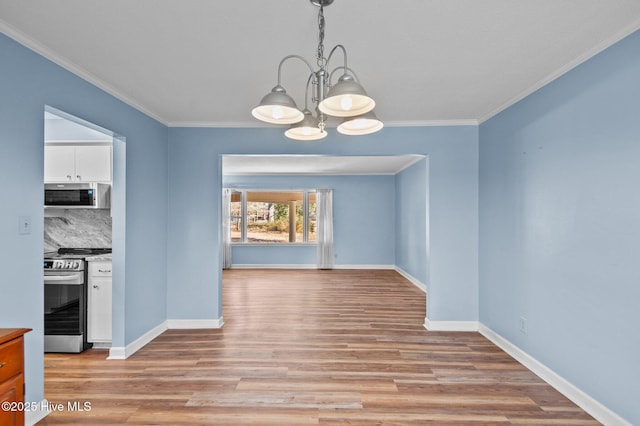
[{"x": 320, "y": 59}]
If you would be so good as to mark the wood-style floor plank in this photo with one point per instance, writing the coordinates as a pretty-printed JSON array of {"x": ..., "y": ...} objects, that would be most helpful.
[{"x": 309, "y": 347}]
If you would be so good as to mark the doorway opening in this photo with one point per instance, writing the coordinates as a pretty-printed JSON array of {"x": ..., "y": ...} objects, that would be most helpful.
[
  {"x": 83, "y": 233},
  {"x": 380, "y": 205}
]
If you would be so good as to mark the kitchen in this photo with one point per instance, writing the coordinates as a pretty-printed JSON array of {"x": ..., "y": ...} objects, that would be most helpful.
[{"x": 77, "y": 236}]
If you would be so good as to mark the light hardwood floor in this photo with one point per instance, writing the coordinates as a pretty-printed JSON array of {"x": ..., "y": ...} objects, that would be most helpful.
[{"x": 309, "y": 347}]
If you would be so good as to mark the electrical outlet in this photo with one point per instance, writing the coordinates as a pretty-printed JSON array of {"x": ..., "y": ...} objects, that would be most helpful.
[
  {"x": 24, "y": 225},
  {"x": 523, "y": 325}
]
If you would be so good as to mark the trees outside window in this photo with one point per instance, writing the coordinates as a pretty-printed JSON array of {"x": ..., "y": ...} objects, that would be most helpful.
[{"x": 273, "y": 216}]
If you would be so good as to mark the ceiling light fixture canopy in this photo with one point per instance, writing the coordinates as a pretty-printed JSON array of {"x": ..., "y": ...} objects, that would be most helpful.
[{"x": 345, "y": 99}]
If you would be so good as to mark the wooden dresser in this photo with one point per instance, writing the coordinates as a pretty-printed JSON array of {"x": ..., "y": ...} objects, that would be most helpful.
[{"x": 12, "y": 375}]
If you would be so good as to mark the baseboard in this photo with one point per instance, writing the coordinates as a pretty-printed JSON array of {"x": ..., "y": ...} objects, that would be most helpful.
[
  {"x": 101, "y": 345},
  {"x": 307, "y": 266},
  {"x": 450, "y": 325},
  {"x": 193, "y": 323},
  {"x": 365, "y": 267},
  {"x": 600, "y": 412},
  {"x": 32, "y": 417},
  {"x": 411, "y": 279},
  {"x": 273, "y": 266},
  {"x": 120, "y": 352}
]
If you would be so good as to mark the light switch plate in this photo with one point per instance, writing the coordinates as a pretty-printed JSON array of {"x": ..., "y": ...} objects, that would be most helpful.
[{"x": 24, "y": 225}]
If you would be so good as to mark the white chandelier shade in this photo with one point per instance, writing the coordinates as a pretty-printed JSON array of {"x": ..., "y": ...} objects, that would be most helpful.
[
  {"x": 346, "y": 98},
  {"x": 277, "y": 107},
  {"x": 360, "y": 125},
  {"x": 307, "y": 129}
]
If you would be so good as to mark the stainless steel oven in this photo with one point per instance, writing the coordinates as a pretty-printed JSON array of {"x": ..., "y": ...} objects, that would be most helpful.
[{"x": 65, "y": 305}]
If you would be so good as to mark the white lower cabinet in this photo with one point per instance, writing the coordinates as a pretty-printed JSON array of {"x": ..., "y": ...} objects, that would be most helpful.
[{"x": 99, "y": 316}]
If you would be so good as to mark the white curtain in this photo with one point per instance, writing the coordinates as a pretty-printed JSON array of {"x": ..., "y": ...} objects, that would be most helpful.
[
  {"x": 226, "y": 228},
  {"x": 324, "y": 217}
]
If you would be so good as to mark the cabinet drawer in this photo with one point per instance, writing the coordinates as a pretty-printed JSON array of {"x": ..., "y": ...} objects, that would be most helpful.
[
  {"x": 99, "y": 269},
  {"x": 11, "y": 362}
]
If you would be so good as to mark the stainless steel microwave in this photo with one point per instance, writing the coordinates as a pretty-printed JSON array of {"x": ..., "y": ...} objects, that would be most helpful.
[{"x": 77, "y": 195}]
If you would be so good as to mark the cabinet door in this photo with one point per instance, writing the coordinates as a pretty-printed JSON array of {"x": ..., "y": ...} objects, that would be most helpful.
[
  {"x": 99, "y": 310},
  {"x": 93, "y": 163},
  {"x": 99, "y": 317},
  {"x": 11, "y": 391},
  {"x": 59, "y": 164}
]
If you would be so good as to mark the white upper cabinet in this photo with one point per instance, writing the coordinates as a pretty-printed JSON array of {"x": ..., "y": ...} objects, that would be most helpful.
[
  {"x": 77, "y": 163},
  {"x": 93, "y": 163},
  {"x": 59, "y": 163}
]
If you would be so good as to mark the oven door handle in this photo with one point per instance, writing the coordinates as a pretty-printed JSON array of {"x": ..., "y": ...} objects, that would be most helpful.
[{"x": 56, "y": 279}]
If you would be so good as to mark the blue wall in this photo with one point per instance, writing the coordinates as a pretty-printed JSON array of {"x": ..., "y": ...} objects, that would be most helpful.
[
  {"x": 28, "y": 82},
  {"x": 364, "y": 209},
  {"x": 560, "y": 228},
  {"x": 195, "y": 183},
  {"x": 412, "y": 221}
]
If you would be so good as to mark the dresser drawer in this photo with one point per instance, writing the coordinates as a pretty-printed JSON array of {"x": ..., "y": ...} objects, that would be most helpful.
[{"x": 11, "y": 361}]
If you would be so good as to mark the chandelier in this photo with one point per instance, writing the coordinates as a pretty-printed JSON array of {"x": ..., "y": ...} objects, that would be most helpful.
[{"x": 346, "y": 99}]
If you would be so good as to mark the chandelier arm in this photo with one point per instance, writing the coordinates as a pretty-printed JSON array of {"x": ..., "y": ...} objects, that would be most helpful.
[
  {"x": 344, "y": 51},
  {"x": 289, "y": 57}
]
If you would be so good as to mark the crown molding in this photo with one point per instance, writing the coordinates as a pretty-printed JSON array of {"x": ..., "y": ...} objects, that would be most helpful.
[
  {"x": 226, "y": 124},
  {"x": 432, "y": 123},
  {"x": 635, "y": 26},
  {"x": 47, "y": 53},
  {"x": 256, "y": 124}
]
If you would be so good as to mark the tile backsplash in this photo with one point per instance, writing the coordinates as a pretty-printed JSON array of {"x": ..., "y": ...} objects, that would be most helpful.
[{"x": 77, "y": 228}]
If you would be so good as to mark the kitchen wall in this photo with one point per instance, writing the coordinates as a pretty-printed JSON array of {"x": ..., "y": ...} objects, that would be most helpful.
[
  {"x": 77, "y": 228},
  {"x": 560, "y": 226}
]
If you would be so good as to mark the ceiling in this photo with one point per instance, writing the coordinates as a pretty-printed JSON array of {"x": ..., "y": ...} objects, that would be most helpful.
[
  {"x": 316, "y": 164},
  {"x": 60, "y": 129},
  {"x": 426, "y": 62}
]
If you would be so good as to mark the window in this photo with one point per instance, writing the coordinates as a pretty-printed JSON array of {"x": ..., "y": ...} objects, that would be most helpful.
[
  {"x": 273, "y": 217},
  {"x": 236, "y": 216}
]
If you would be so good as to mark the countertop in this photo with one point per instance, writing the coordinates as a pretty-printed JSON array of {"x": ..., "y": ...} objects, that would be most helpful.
[
  {"x": 7, "y": 334},
  {"x": 99, "y": 258}
]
